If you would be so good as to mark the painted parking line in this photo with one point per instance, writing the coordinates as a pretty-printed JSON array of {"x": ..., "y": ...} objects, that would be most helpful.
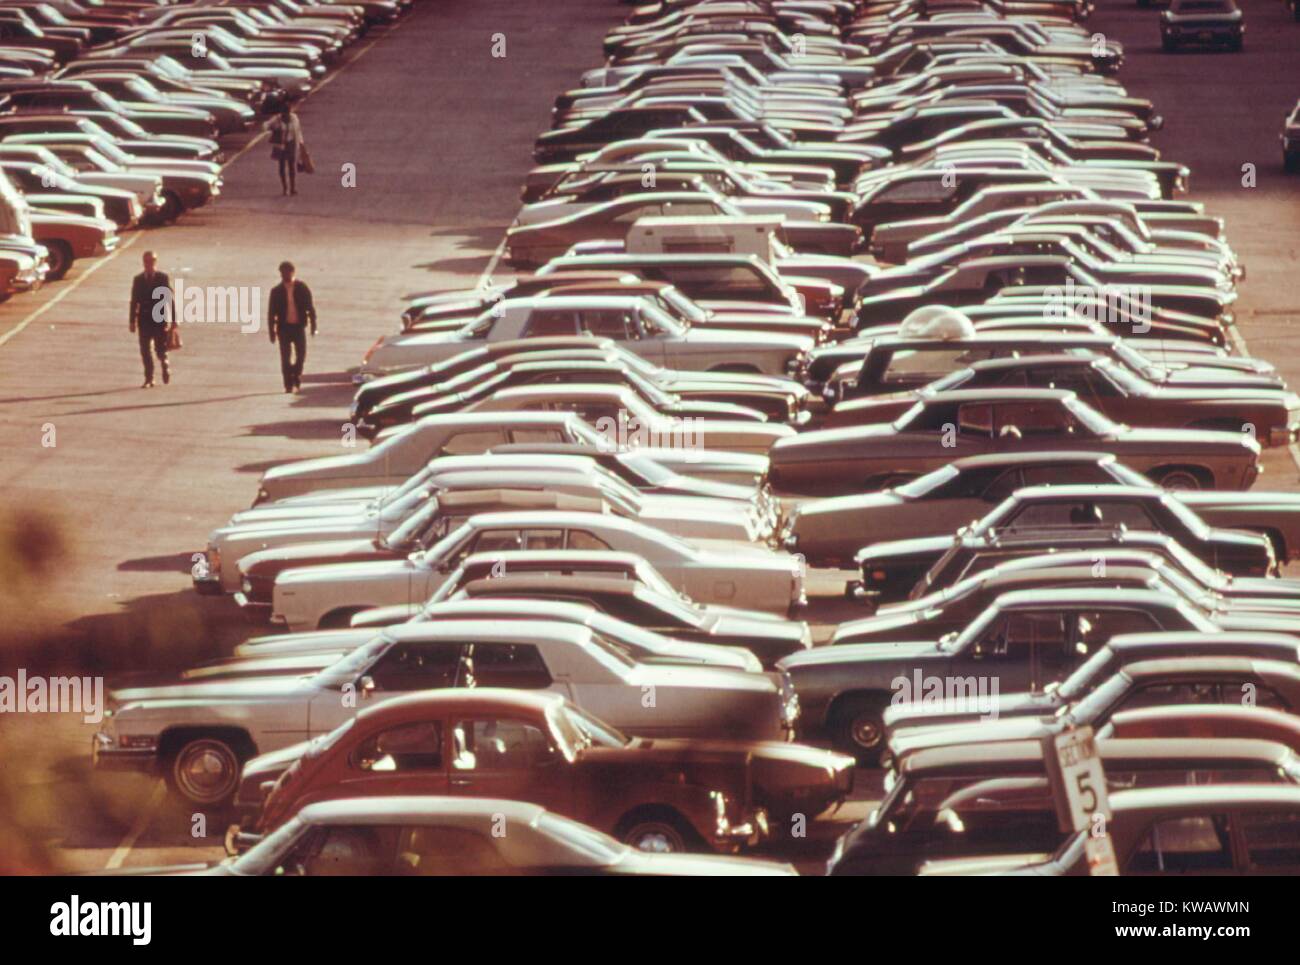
[{"x": 147, "y": 814}]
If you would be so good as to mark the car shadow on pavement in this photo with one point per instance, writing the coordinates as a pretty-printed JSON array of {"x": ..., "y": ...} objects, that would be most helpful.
[
  {"x": 458, "y": 266},
  {"x": 175, "y": 563},
  {"x": 165, "y": 632},
  {"x": 301, "y": 429}
]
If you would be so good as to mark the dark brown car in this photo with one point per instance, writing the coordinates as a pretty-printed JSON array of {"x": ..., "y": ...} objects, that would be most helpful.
[{"x": 654, "y": 794}]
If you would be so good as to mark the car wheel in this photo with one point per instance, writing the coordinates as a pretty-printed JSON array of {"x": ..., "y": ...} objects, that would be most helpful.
[
  {"x": 172, "y": 207},
  {"x": 1180, "y": 479},
  {"x": 860, "y": 729},
  {"x": 656, "y": 836},
  {"x": 205, "y": 771},
  {"x": 59, "y": 259}
]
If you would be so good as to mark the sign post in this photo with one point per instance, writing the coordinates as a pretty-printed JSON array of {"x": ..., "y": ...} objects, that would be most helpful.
[{"x": 1078, "y": 784}]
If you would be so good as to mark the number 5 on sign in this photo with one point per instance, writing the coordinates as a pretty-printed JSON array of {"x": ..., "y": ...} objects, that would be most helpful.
[
  {"x": 1079, "y": 787},
  {"x": 1082, "y": 777}
]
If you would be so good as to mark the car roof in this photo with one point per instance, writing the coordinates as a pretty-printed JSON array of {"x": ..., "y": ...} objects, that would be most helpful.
[
  {"x": 489, "y": 631},
  {"x": 540, "y": 582},
  {"x": 1028, "y": 458},
  {"x": 1170, "y": 666},
  {"x": 486, "y": 699},
  {"x": 1084, "y": 594},
  {"x": 471, "y": 812},
  {"x": 1184, "y": 637},
  {"x": 1005, "y": 394},
  {"x": 1205, "y": 795},
  {"x": 997, "y": 755},
  {"x": 1083, "y": 491}
]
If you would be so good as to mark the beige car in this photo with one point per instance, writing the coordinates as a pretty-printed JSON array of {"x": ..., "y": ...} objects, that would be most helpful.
[{"x": 635, "y": 323}]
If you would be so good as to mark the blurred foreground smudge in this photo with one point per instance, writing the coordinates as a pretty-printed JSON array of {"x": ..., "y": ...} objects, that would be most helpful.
[{"x": 48, "y": 793}]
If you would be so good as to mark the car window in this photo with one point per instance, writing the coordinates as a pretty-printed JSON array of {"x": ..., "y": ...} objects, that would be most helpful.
[
  {"x": 536, "y": 435},
  {"x": 1272, "y": 838},
  {"x": 498, "y": 744},
  {"x": 473, "y": 443},
  {"x": 440, "y": 851},
  {"x": 1163, "y": 695},
  {"x": 608, "y": 324},
  {"x": 551, "y": 322},
  {"x": 349, "y": 850},
  {"x": 515, "y": 665},
  {"x": 1012, "y": 635},
  {"x": 1189, "y": 845},
  {"x": 924, "y": 189},
  {"x": 410, "y": 747},
  {"x": 580, "y": 539},
  {"x": 975, "y": 421},
  {"x": 1029, "y": 419},
  {"x": 1003, "y": 486},
  {"x": 497, "y": 541},
  {"x": 1094, "y": 627},
  {"x": 417, "y": 666}
]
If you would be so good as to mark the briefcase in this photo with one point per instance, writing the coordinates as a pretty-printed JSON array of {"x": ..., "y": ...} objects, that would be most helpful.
[
  {"x": 305, "y": 164},
  {"x": 174, "y": 342}
]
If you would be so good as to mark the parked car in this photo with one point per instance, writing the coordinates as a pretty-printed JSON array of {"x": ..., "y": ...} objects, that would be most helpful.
[
  {"x": 198, "y": 733},
  {"x": 655, "y": 795},
  {"x": 968, "y": 422},
  {"x": 976, "y": 800},
  {"x": 728, "y": 574},
  {"x": 456, "y": 837},
  {"x": 1202, "y": 22}
]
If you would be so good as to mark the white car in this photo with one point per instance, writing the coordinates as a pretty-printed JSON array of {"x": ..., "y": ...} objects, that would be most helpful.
[
  {"x": 198, "y": 733},
  {"x": 643, "y": 646},
  {"x": 730, "y": 574},
  {"x": 399, "y": 454},
  {"x": 627, "y": 421},
  {"x": 506, "y": 838},
  {"x": 635, "y": 323}
]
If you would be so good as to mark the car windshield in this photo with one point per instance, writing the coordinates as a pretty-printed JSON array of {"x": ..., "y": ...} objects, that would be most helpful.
[
  {"x": 1089, "y": 709},
  {"x": 654, "y": 318},
  {"x": 351, "y": 665},
  {"x": 325, "y": 741},
  {"x": 923, "y": 485},
  {"x": 442, "y": 548},
  {"x": 1079, "y": 682},
  {"x": 1195, "y": 525},
  {"x": 415, "y": 526},
  {"x": 683, "y": 306},
  {"x": 593, "y": 732},
  {"x": 1089, "y": 418}
]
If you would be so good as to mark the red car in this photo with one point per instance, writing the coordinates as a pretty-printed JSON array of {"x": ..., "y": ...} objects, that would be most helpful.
[{"x": 656, "y": 795}]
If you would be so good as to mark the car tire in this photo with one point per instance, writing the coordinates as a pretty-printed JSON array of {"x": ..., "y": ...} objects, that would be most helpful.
[
  {"x": 204, "y": 771},
  {"x": 60, "y": 259},
  {"x": 1180, "y": 478},
  {"x": 656, "y": 834},
  {"x": 858, "y": 728},
  {"x": 172, "y": 207}
]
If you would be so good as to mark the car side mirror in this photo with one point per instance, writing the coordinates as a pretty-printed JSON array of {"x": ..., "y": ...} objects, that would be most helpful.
[{"x": 366, "y": 685}]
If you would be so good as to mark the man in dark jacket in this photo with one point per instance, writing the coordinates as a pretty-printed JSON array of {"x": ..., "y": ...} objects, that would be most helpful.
[
  {"x": 289, "y": 313},
  {"x": 152, "y": 308}
]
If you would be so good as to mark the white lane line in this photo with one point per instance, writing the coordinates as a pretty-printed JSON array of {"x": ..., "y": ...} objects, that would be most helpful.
[
  {"x": 142, "y": 823},
  {"x": 65, "y": 292},
  {"x": 486, "y": 277}
]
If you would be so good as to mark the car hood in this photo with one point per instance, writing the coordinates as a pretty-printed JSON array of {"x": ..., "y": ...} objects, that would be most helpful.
[{"x": 851, "y": 653}]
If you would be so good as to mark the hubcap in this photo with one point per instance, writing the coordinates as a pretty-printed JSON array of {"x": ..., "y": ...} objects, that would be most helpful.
[{"x": 866, "y": 732}]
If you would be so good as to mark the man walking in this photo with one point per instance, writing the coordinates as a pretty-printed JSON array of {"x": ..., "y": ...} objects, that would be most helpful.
[
  {"x": 152, "y": 308},
  {"x": 289, "y": 313}
]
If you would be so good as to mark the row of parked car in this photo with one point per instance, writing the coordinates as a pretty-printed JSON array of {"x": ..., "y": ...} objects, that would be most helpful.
[
  {"x": 112, "y": 114},
  {"x": 804, "y": 288}
]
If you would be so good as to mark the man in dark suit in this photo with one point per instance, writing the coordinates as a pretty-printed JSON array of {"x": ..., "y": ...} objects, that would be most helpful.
[
  {"x": 152, "y": 308},
  {"x": 290, "y": 311}
]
